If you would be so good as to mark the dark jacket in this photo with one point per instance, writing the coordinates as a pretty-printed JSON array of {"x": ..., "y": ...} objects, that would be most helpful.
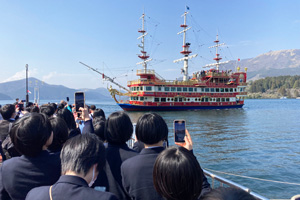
[
  {"x": 20, "y": 174},
  {"x": 111, "y": 177},
  {"x": 4, "y": 126},
  {"x": 137, "y": 175},
  {"x": 69, "y": 187}
]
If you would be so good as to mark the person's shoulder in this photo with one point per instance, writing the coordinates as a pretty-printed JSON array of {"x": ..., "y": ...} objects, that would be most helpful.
[
  {"x": 101, "y": 195},
  {"x": 38, "y": 193}
]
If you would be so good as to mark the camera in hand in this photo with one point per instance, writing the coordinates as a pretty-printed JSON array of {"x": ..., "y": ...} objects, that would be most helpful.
[{"x": 179, "y": 130}]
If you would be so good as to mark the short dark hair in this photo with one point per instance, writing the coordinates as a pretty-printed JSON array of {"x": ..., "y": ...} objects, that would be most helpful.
[
  {"x": 228, "y": 193},
  {"x": 93, "y": 107},
  {"x": 29, "y": 104},
  {"x": 47, "y": 110},
  {"x": 30, "y": 133},
  {"x": 35, "y": 109},
  {"x": 60, "y": 133},
  {"x": 68, "y": 117},
  {"x": 99, "y": 127},
  {"x": 81, "y": 152},
  {"x": 118, "y": 128},
  {"x": 54, "y": 105},
  {"x": 7, "y": 111},
  {"x": 99, "y": 113},
  {"x": 177, "y": 174},
  {"x": 151, "y": 128}
]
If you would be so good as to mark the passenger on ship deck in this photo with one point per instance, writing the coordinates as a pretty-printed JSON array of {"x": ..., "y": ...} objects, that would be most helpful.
[
  {"x": 118, "y": 130},
  {"x": 8, "y": 113},
  {"x": 81, "y": 158},
  {"x": 177, "y": 174},
  {"x": 31, "y": 136},
  {"x": 60, "y": 134},
  {"x": 152, "y": 130}
]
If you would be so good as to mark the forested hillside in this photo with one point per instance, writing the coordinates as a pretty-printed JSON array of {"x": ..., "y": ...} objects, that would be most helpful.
[{"x": 276, "y": 86}]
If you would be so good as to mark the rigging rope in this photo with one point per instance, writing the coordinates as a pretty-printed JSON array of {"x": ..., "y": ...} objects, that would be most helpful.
[{"x": 261, "y": 179}]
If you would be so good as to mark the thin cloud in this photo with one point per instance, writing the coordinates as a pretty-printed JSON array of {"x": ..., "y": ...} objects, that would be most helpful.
[
  {"x": 297, "y": 21},
  {"x": 21, "y": 75}
]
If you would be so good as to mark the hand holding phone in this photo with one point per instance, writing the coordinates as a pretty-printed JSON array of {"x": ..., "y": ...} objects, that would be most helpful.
[{"x": 179, "y": 131}]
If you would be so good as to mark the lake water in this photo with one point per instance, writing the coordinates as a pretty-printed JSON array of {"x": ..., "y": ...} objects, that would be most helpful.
[{"x": 261, "y": 140}]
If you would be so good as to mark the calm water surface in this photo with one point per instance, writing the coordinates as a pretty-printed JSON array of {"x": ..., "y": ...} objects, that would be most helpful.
[{"x": 260, "y": 140}]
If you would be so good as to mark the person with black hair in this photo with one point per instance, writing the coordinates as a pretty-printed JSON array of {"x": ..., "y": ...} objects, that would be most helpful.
[
  {"x": 118, "y": 130},
  {"x": 66, "y": 115},
  {"x": 8, "y": 113},
  {"x": 35, "y": 109},
  {"x": 81, "y": 159},
  {"x": 92, "y": 108},
  {"x": 31, "y": 136},
  {"x": 99, "y": 125},
  {"x": 47, "y": 110},
  {"x": 177, "y": 174},
  {"x": 54, "y": 105},
  {"x": 60, "y": 134},
  {"x": 152, "y": 130},
  {"x": 228, "y": 193},
  {"x": 98, "y": 113}
]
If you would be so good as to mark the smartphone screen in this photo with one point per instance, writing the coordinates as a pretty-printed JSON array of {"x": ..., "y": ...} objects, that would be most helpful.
[
  {"x": 179, "y": 130},
  {"x": 79, "y": 100}
]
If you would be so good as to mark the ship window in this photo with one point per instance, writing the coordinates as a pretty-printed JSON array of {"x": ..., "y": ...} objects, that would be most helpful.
[
  {"x": 168, "y": 99},
  {"x": 206, "y": 99},
  {"x": 156, "y": 99},
  {"x": 141, "y": 88},
  {"x": 137, "y": 88},
  {"x": 196, "y": 99},
  {"x": 223, "y": 99},
  {"x": 191, "y": 89},
  {"x": 173, "y": 89},
  {"x": 163, "y": 99},
  {"x": 227, "y": 99},
  {"x": 206, "y": 89},
  {"x": 167, "y": 89},
  {"x": 231, "y": 89},
  {"x": 184, "y": 89},
  {"x": 241, "y": 80},
  {"x": 159, "y": 88},
  {"x": 188, "y": 99},
  {"x": 222, "y": 89},
  {"x": 226, "y": 90},
  {"x": 217, "y": 89},
  {"x": 202, "y": 89},
  {"x": 180, "y": 99},
  {"x": 195, "y": 89},
  {"x": 212, "y": 89},
  {"x": 179, "y": 89},
  {"x": 172, "y": 99},
  {"x": 184, "y": 99},
  {"x": 148, "y": 88},
  {"x": 175, "y": 99},
  {"x": 134, "y": 88},
  {"x": 218, "y": 99},
  {"x": 142, "y": 98},
  {"x": 131, "y": 98}
]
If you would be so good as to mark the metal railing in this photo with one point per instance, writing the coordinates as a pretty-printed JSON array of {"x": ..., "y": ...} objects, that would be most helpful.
[{"x": 224, "y": 181}]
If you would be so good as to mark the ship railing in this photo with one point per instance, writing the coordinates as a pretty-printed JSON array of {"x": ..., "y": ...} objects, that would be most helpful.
[
  {"x": 145, "y": 71},
  {"x": 165, "y": 82},
  {"x": 222, "y": 182}
]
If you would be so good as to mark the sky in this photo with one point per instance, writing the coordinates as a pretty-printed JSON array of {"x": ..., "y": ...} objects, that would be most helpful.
[{"x": 53, "y": 36}]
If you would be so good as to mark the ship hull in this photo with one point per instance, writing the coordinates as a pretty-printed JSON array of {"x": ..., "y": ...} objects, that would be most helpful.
[{"x": 130, "y": 107}]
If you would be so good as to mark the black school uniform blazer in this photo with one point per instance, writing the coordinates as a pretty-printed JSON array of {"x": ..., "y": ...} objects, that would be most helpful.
[{"x": 69, "y": 187}]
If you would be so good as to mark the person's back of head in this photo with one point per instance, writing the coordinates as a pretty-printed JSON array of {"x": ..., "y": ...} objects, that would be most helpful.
[
  {"x": 98, "y": 113},
  {"x": 177, "y": 174},
  {"x": 151, "y": 128},
  {"x": 31, "y": 134},
  {"x": 68, "y": 117},
  {"x": 54, "y": 106},
  {"x": 93, "y": 107},
  {"x": 35, "y": 109},
  {"x": 118, "y": 128},
  {"x": 29, "y": 104},
  {"x": 7, "y": 111},
  {"x": 80, "y": 153},
  {"x": 60, "y": 133},
  {"x": 228, "y": 193},
  {"x": 99, "y": 127},
  {"x": 47, "y": 110}
]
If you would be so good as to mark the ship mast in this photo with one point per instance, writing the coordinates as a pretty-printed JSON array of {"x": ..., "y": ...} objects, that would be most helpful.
[
  {"x": 144, "y": 55},
  {"x": 217, "y": 58},
  {"x": 185, "y": 50}
]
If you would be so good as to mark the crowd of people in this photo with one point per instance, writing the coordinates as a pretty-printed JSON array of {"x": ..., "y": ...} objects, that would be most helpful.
[{"x": 53, "y": 152}]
